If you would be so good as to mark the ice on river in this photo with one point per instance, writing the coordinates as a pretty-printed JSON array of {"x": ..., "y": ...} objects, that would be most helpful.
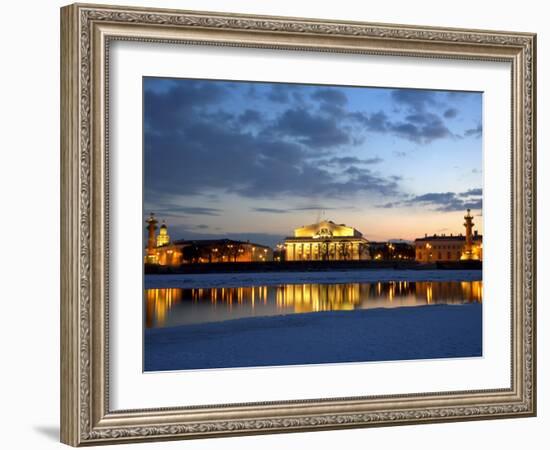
[
  {"x": 212, "y": 280},
  {"x": 425, "y": 332}
]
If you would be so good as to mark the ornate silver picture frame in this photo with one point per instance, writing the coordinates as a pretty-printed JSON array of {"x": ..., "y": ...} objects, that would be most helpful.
[{"x": 87, "y": 33}]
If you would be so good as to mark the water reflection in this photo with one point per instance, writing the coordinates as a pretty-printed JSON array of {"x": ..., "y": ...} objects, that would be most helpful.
[{"x": 171, "y": 307}]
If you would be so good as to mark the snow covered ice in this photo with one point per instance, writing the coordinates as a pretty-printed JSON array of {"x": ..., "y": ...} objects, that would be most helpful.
[{"x": 360, "y": 335}]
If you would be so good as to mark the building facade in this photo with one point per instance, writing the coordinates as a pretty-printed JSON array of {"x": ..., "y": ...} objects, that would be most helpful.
[
  {"x": 163, "y": 237},
  {"x": 391, "y": 250},
  {"x": 468, "y": 247},
  {"x": 162, "y": 251},
  {"x": 326, "y": 240},
  {"x": 223, "y": 251}
]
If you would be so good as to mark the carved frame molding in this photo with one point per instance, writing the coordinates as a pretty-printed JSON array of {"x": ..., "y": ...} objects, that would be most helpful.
[{"x": 86, "y": 32}]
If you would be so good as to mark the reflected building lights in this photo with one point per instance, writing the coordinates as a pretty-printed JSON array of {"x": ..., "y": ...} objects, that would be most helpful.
[{"x": 301, "y": 298}]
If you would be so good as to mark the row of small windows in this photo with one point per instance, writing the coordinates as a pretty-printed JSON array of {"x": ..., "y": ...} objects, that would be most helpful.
[
  {"x": 439, "y": 255},
  {"x": 452, "y": 247}
]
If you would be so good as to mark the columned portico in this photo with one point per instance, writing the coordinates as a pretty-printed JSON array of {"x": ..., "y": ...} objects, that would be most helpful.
[{"x": 326, "y": 241}]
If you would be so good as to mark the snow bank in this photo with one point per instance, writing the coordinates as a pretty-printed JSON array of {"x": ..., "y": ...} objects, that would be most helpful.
[
  {"x": 422, "y": 332},
  {"x": 211, "y": 280}
]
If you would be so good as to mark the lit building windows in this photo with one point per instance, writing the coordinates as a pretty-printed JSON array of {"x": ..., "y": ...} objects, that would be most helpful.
[
  {"x": 326, "y": 240},
  {"x": 459, "y": 247}
]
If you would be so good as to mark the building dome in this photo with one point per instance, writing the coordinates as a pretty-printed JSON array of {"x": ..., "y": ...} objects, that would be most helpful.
[{"x": 163, "y": 238}]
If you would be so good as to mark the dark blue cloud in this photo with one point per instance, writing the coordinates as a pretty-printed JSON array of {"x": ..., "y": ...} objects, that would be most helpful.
[
  {"x": 377, "y": 122},
  {"x": 250, "y": 116},
  {"x": 420, "y": 126},
  {"x": 312, "y": 130},
  {"x": 442, "y": 201},
  {"x": 420, "y": 118},
  {"x": 331, "y": 95},
  {"x": 450, "y": 113},
  {"x": 434, "y": 197},
  {"x": 183, "y": 210},
  {"x": 279, "y": 93},
  {"x": 321, "y": 208},
  {"x": 448, "y": 201},
  {"x": 193, "y": 146},
  {"x": 422, "y": 132},
  {"x": 285, "y": 93},
  {"x": 251, "y": 92},
  {"x": 353, "y": 170},
  {"x": 271, "y": 210},
  {"x": 196, "y": 144},
  {"x": 165, "y": 111},
  {"x": 389, "y": 205},
  {"x": 459, "y": 95},
  {"x": 474, "y": 132},
  {"x": 471, "y": 192},
  {"x": 415, "y": 99},
  {"x": 300, "y": 208},
  {"x": 348, "y": 160}
]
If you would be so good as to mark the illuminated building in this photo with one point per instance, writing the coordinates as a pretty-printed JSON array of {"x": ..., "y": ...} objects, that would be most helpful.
[
  {"x": 223, "y": 251},
  {"x": 326, "y": 240},
  {"x": 391, "y": 250},
  {"x": 163, "y": 238},
  {"x": 451, "y": 248},
  {"x": 162, "y": 251}
]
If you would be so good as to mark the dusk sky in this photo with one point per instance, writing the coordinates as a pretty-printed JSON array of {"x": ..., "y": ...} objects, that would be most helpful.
[{"x": 248, "y": 160}]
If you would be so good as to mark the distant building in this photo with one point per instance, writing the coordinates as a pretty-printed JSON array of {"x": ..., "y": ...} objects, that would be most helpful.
[
  {"x": 223, "y": 250},
  {"x": 326, "y": 240},
  {"x": 161, "y": 251},
  {"x": 451, "y": 248},
  {"x": 400, "y": 250},
  {"x": 163, "y": 238}
]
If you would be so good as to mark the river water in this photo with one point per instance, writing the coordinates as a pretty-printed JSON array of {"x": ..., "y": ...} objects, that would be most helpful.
[{"x": 176, "y": 306}]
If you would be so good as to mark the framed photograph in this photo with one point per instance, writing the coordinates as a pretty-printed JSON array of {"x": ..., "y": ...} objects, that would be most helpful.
[{"x": 276, "y": 224}]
